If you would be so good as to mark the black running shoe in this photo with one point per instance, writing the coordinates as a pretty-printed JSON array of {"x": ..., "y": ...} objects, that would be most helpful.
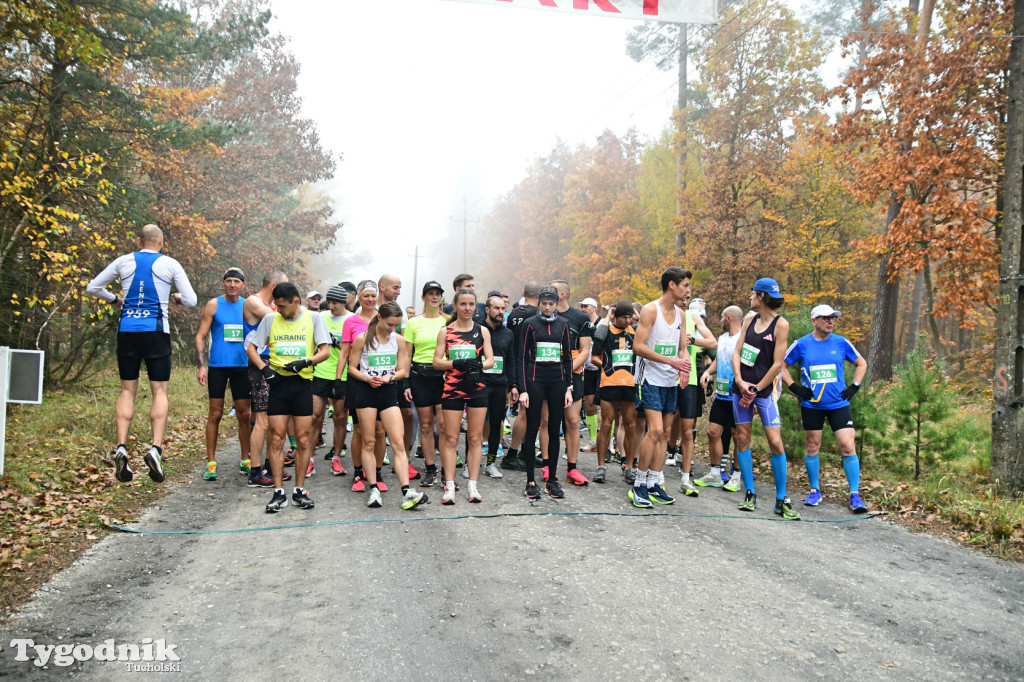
[
  {"x": 155, "y": 462},
  {"x": 259, "y": 479},
  {"x": 532, "y": 491},
  {"x": 429, "y": 476},
  {"x": 277, "y": 503},
  {"x": 555, "y": 490},
  {"x": 122, "y": 471},
  {"x": 510, "y": 463},
  {"x": 330, "y": 455},
  {"x": 289, "y": 458},
  {"x": 301, "y": 499},
  {"x": 419, "y": 452}
]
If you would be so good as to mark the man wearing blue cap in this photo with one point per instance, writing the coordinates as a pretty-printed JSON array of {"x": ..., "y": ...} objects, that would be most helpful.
[
  {"x": 824, "y": 395},
  {"x": 756, "y": 362}
]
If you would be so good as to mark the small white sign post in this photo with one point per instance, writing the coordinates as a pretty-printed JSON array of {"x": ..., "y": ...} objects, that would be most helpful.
[{"x": 22, "y": 383}]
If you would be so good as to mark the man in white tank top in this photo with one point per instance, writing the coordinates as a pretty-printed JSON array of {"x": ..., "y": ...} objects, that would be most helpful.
[{"x": 660, "y": 349}]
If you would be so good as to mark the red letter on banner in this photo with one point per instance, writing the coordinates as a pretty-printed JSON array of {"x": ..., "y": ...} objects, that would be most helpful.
[
  {"x": 601, "y": 4},
  {"x": 651, "y": 7}
]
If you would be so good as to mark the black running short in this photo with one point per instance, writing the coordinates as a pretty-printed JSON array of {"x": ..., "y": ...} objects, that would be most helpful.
[
  {"x": 459, "y": 403},
  {"x": 291, "y": 396},
  {"x": 591, "y": 379},
  {"x": 426, "y": 391},
  {"x": 618, "y": 394},
  {"x": 380, "y": 398},
  {"x": 577, "y": 387},
  {"x": 152, "y": 347},
  {"x": 688, "y": 404},
  {"x": 258, "y": 389},
  {"x": 322, "y": 387},
  {"x": 814, "y": 420},
  {"x": 721, "y": 413},
  {"x": 218, "y": 378}
]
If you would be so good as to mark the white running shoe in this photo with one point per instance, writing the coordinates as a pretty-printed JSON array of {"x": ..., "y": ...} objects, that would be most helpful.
[
  {"x": 735, "y": 482},
  {"x": 493, "y": 471},
  {"x": 449, "y": 496},
  {"x": 661, "y": 478},
  {"x": 711, "y": 479},
  {"x": 670, "y": 460},
  {"x": 465, "y": 471},
  {"x": 374, "y": 500}
]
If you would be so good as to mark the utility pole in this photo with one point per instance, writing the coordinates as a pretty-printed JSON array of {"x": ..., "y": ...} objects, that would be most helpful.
[
  {"x": 1007, "y": 455},
  {"x": 683, "y": 103},
  {"x": 465, "y": 233},
  {"x": 415, "y": 272}
]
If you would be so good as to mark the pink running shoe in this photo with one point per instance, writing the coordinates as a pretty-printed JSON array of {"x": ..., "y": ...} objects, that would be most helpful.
[
  {"x": 576, "y": 477},
  {"x": 413, "y": 474},
  {"x": 358, "y": 485},
  {"x": 474, "y": 497},
  {"x": 311, "y": 467},
  {"x": 381, "y": 485},
  {"x": 337, "y": 467}
]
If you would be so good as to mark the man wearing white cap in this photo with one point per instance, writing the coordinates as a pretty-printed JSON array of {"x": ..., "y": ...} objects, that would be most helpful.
[
  {"x": 824, "y": 395},
  {"x": 313, "y": 299}
]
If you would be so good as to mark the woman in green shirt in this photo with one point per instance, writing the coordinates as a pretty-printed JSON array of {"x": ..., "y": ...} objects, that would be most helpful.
[{"x": 425, "y": 382}]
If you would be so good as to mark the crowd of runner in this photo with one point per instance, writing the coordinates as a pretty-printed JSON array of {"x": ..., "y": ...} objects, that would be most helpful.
[{"x": 630, "y": 380}]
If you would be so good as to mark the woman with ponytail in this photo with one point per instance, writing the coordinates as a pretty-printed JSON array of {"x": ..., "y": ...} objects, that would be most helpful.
[{"x": 463, "y": 352}]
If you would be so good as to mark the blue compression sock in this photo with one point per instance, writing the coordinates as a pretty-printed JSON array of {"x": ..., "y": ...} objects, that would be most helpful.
[
  {"x": 851, "y": 465},
  {"x": 779, "y": 472},
  {"x": 746, "y": 469},
  {"x": 812, "y": 464}
]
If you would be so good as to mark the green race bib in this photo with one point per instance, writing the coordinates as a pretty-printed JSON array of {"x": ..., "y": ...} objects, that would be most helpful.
[
  {"x": 382, "y": 361},
  {"x": 548, "y": 351},
  {"x": 233, "y": 333},
  {"x": 667, "y": 348},
  {"x": 499, "y": 366},
  {"x": 290, "y": 349},
  {"x": 462, "y": 351},
  {"x": 622, "y": 358},
  {"x": 748, "y": 355},
  {"x": 722, "y": 386},
  {"x": 823, "y": 374}
]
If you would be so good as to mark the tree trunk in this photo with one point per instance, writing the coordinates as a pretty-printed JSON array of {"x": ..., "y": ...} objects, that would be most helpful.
[
  {"x": 883, "y": 328},
  {"x": 1007, "y": 454},
  {"x": 915, "y": 313},
  {"x": 933, "y": 325},
  {"x": 683, "y": 103}
]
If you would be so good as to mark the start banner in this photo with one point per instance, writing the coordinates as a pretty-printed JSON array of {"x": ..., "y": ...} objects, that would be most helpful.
[{"x": 675, "y": 11}]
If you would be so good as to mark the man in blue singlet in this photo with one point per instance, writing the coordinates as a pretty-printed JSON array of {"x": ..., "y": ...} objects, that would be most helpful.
[
  {"x": 224, "y": 323},
  {"x": 824, "y": 395},
  {"x": 143, "y": 335}
]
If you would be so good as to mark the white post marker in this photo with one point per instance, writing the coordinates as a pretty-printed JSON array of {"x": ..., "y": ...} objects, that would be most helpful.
[{"x": 22, "y": 383}]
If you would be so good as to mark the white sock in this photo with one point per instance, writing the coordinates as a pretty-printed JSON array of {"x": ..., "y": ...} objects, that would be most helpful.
[
  {"x": 641, "y": 478},
  {"x": 652, "y": 478},
  {"x": 716, "y": 471},
  {"x": 686, "y": 476}
]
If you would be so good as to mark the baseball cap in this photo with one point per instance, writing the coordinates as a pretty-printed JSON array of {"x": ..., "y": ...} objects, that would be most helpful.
[
  {"x": 768, "y": 286},
  {"x": 432, "y": 285},
  {"x": 698, "y": 306},
  {"x": 824, "y": 310},
  {"x": 589, "y": 301},
  {"x": 337, "y": 293},
  {"x": 314, "y": 293}
]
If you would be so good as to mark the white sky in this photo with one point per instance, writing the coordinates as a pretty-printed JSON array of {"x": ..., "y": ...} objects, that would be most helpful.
[{"x": 430, "y": 100}]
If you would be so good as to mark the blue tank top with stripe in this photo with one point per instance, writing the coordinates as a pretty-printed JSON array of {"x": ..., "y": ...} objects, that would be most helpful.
[{"x": 142, "y": 310}]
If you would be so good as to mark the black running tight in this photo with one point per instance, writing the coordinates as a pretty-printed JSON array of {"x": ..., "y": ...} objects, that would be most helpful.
[
  {"x": 552, "y": 392},
  {"x": 496, "y": 419}
]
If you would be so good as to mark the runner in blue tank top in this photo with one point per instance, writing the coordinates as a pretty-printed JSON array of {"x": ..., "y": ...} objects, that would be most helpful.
[
  {"x": 756, "y": 363},
  {"x": 824, "y": 395},
  {"x": 143, "y": 335},
  {"x": 224, "y": 323}
]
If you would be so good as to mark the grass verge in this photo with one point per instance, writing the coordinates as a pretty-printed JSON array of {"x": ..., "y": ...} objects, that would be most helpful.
[{"x": 58, "y": 487}]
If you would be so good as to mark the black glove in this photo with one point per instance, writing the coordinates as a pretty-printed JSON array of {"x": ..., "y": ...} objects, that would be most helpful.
[
  {"x": 460, "y": 364},
  {"x": 296, "y": 365},
  {"x": 849, "y": 391},
  {"x": 473, "y": 366},
  {"x": 269, "y": 374},
  {"x": 801, "y": 391},
  {"x": 338, "y": 390}
]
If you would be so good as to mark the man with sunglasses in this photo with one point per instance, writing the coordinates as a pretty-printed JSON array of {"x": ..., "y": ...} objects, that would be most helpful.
[{"x": 824, "y": 395}]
